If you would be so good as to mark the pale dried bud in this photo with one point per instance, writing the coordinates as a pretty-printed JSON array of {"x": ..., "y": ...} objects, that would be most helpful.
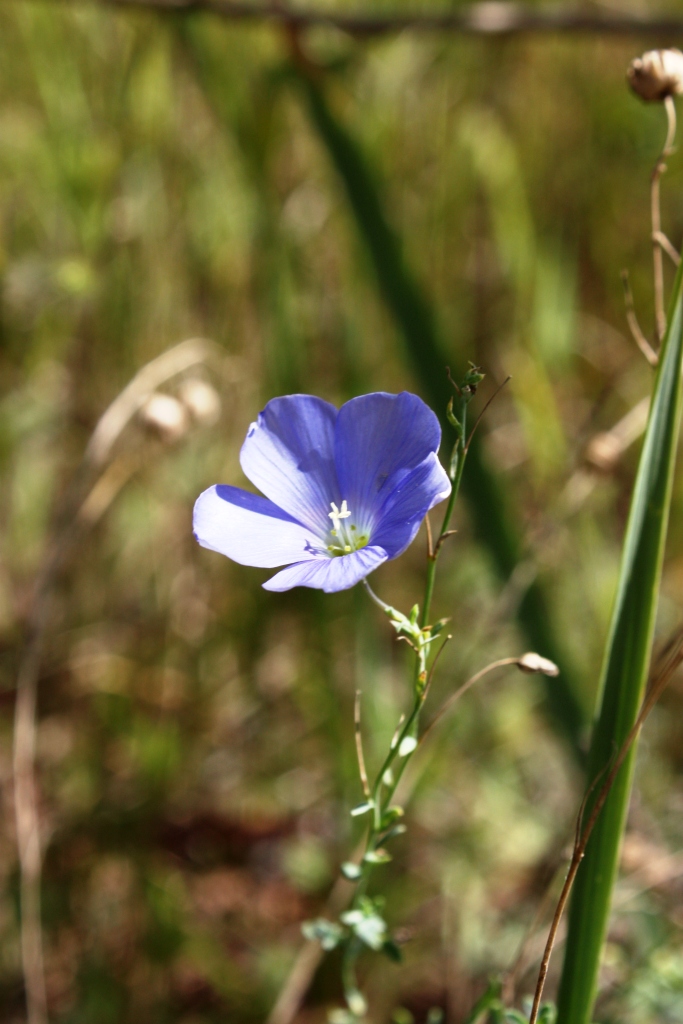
[
  {"x": 201, "y": 401},
  {"x": 166, "y": 416},
  {"x": 532, "y": 663},
  {"x": 657, "y": 74}
]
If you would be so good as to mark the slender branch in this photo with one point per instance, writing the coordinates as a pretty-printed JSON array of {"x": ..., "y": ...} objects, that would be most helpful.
[
  {"x": 606, "y": 448},
  {"x": 463, "y": 689},
  {"x": 482, "y": 413},
  {"x": 666, "y": 245},
  {"x": 359, "y": 745},
  {"x": 655, "y": 212},
  {"x": 671, "y": 662},
  {"x": 444, "y": 536},
  {"x": 378, "y": 600},
  {"x": 493, "y": 18},
  {"x": 634, "y": 327},
  {"x": 437, "y": 658}
]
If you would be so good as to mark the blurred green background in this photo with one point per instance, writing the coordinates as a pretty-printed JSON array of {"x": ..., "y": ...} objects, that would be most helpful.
[{"x": 166, "y": 177}]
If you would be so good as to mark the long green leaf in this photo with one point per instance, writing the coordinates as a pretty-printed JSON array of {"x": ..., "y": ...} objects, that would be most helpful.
[
  {"x": 491, "y": 512},
  {"x": 624, "y": 675}
]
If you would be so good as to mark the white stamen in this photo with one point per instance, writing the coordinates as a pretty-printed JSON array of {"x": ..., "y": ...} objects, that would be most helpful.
[{"x": 338, "y": 513}]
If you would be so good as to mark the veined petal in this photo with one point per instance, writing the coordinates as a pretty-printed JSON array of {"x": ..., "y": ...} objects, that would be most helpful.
[
  {"x": 408, "y": 501},
  {"x": 289, "y": 455},
  {"x": 377, "y": 436},
  {"x": 329, "y": 574},
  {"x": 250, "y": 529}
]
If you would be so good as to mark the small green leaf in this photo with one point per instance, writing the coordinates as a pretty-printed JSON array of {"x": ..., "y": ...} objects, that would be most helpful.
[
  {"x": 360, "y": 809},
  {"x": 515, "y": 1017},
  {"x": 391, "y": 815},
  {"x": 407, "y": 745},
  {"x": 372, "y": 930},
  {"x": 327, "y": 933},
  {"x": 377, "y": 857},
  {"x": 397, "y": 830},
  {"x": 352, "y": 917},
  {"x": 452, "y": 418}
]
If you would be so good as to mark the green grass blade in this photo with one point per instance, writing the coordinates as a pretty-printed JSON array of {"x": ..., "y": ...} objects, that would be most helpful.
[
  {"x": 624, "y": 675},
  {"x": 491, "y": 512}
]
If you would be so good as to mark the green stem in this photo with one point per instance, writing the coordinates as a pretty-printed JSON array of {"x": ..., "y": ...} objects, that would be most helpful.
[
  {"x": 382, "y": 800},
  {"x": 461, "y": 452},
  {"x": 624, "y": 676}
]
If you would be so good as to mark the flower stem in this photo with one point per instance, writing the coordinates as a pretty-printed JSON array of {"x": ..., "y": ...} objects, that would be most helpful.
[
  {"x": 457, "y": 466},
  {"x": 382, "y": 790}
]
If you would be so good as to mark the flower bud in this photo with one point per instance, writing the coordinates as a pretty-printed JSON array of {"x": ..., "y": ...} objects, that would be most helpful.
[
  {"x": 165, "y": 416},
  {"x": 657, "y": 74},
  {"x": 532, "y": 663},
  {"x": 201, "y": 401}
]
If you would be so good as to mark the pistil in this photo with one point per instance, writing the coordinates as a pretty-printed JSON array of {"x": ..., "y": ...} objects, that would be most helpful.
[{"x": 347, "y": 537}]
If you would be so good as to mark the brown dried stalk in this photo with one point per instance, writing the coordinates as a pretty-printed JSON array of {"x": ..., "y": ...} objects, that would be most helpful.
[
  {"x": 657, "y": 234},
  {"x": 669, "y": 662},
  {"x": 86, "y": 501}
]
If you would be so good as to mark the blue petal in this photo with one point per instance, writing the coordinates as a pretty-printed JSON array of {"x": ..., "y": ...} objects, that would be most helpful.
[
  {"x": 377, "y": 437},
  {"x": 329, "y": 574},
  {"x": 408, "y": 500},
  {"x": 250, "y": 529},
  {"x": 289, "y": 455}
]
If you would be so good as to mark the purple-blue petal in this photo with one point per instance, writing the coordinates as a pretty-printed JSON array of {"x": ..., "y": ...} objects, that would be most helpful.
[
  {"x": 378, "y": 437},
  {"x": 408, "y": 500},
  {"x": 329, "y": 574},
  {"x": 250, "y": 529},
  {"x": 289, "y": 455}
]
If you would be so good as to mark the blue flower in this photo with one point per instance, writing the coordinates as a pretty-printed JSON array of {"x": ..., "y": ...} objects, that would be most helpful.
[{"x": 345, "y": 489}]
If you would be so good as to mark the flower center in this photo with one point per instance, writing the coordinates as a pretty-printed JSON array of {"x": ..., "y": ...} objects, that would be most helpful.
[{"x": 346, "y": 536}]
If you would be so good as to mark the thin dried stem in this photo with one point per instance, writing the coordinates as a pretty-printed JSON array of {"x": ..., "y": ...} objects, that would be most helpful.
[
  {"x": 437, "y": 658},
  {"x": 430, "y": 539},
  {"x": 634, "y": 327},
  {"x": 85, "y": 502},
  {"x": 606, "y": 448},
  {"x": 463, "y": 689},
  {"x": 378, "y": 600},
  {"x": 668, "y": 665},
  {"x": 442, "y": 538},
  {"x": 655, "y": 212},
  {"x": 359, "y": 745},
  {"x": 491, "y": 18},
  {"x": 483, "y": 411},
  {"x": 672, "y": 252}
]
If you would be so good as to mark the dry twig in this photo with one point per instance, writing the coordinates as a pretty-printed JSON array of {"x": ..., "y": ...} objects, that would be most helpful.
[
  {"x": 492, "y": 18},
  {"x": 655, "y": 211},
  {"x": 94, "y": 487},
  {"x": 669, "y": 663}
]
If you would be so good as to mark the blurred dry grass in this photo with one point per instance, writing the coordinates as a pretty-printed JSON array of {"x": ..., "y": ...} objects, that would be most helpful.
[{"x": 195, "y": 734}]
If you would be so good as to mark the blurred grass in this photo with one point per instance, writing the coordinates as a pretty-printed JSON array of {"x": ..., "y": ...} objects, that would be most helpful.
[{"x": 195, "y": 745}]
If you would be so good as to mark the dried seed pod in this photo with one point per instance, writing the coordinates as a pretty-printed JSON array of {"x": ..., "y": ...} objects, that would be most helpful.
[
  {"x": 201, "y": 400},
  {"x": 165, "y": 416},
  {"x": 532, "y": 663},
  {"x": 657, "y": 74}
]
